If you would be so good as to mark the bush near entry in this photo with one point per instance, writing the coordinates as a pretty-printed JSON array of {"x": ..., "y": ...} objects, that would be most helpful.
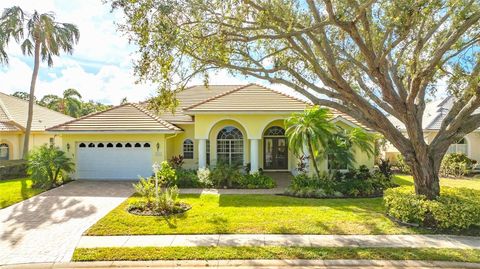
[{"x": 354, "y": 183}]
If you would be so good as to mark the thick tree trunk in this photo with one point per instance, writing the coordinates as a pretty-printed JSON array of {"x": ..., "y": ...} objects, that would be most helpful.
[
  {"x": 425, "y": 170},
  {"x": 31, "y": 100}
]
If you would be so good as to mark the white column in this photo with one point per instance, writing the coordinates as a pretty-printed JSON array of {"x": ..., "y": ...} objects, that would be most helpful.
[
  {"x": 254, "y": 155},
  {"x": 202, "y": 153}
]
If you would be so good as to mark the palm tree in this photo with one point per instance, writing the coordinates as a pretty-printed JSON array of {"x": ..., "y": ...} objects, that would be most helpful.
[
  {"x": 41, "y": 37},
  {"x": 71, "y": 104},
  {"x": 312, "y": 129},
  {"x": 341, "y": 147}
]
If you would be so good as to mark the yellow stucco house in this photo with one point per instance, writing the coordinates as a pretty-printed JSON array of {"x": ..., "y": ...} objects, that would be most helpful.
[
  {"x": 13, "y": 120},
  {"x": 235, "y": 124}
]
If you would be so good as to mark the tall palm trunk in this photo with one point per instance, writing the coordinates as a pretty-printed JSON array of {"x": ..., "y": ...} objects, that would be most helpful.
[
  {"x": 31, "y": 100},
  {"x": 314, "y": 160}
]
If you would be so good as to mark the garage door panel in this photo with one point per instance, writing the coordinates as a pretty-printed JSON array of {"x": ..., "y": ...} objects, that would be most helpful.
[{"x": 113, "y": 163}]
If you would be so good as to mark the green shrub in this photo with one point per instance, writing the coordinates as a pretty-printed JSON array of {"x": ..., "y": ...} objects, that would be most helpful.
[
  {"x": 204, "y": 177},
  {"x": 187, "y": 178},
  {"x": 146, "y": 188},
  {"x": 402, "y": 165},
  {"x": 353, "y": 183},
  {"x": 456, "y": 165},
  {"x": 48, "y": 166},
  {"x": 385, "y": 167},
  {"x": 223, "y": 175},
  {"x": 255, "y": 181},
  {"x": 167, "y": 176},
  {"x": 455, "y": 208}
]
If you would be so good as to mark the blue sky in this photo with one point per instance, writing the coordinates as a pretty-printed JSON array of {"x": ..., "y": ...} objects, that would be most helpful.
[{"x": 101, "y": 65}]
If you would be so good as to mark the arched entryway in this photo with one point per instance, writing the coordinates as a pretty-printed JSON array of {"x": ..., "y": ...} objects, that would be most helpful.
[{"x": 275, "y": 148}]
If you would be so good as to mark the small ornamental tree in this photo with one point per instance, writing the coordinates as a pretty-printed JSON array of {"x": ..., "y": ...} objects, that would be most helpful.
[{"x": 366, "y": 58}]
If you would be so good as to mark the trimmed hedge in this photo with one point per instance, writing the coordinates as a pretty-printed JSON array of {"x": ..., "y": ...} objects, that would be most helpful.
[
  {"x": 13, "y": 169},
  {"x": 454, "y": 209}
]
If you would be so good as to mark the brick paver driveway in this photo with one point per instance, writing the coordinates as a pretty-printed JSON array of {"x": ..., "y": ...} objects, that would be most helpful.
[{"x": 47, "y": 227}]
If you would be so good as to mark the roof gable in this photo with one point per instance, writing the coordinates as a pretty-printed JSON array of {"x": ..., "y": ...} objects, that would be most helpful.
[
  {"x": 13, "y": 109},
  {"x": 127, "y": 117},
  {"x": 249, "y": 98}
]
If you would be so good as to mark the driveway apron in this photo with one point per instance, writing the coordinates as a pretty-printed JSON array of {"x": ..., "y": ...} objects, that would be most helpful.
[{"x": 47, "y": 227}]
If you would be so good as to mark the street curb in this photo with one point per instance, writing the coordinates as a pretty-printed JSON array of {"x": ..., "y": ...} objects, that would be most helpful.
[{"x": 251, "y": 264}]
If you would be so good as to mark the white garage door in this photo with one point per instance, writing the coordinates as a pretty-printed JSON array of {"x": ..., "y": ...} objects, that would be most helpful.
[{"x": 113, "y": 160}]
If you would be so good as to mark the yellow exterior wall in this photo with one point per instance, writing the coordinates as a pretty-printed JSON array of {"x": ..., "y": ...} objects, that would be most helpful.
[
  {"x": 15, "y": 141},
  {"x": 74, "y": 139},
  {"x": 254, "y": 124},
  {"x": 175, "y": 145}
]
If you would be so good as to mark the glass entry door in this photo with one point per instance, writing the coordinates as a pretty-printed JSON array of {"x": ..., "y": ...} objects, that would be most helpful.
[{"x": 275, "y": 155}]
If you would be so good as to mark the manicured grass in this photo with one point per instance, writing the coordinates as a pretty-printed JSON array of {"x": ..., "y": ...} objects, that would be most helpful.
[
  {"x": 228, "y": 253},
  {"x": 471, "y": 183},
  {"x": 15, "y": 190},
  {"x": 211, "y": 214}
]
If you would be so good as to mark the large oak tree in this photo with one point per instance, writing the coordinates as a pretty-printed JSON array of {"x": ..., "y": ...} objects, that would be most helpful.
[{"x": 366, "y": 58}]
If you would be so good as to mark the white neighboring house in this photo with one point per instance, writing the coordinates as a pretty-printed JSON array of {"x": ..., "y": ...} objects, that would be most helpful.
[{"x": 435, "y": 112}]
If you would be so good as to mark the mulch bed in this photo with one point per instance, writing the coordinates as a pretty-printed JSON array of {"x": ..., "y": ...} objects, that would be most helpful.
[{"x": 178, "y": 210}]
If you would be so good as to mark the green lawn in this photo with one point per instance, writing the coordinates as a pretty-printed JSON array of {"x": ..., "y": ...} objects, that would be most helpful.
[
  {"x": 257, "y": 214},
  {"x": 216, "y": 253},
  {"x": 15, "y": 190},
  {"x": 471, "y": 183}
]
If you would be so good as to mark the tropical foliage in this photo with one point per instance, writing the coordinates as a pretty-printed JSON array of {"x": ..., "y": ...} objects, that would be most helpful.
[
  {"x": 159, "y": 194},
  {"x": 48, "y": 166},
  {"x": 70, "y": 103},
  {"x": 359, "y": 182},
  {"x": 39, "y": 36},
  {"x": 309, "y": 132},
  {"x": 312, "y": 132}
]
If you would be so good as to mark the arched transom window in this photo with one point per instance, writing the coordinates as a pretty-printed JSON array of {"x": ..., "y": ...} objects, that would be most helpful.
[
  {"x": 461, "y": 146},
  {"x": 275, "y": 131},
  {"x": 188, "y": 149},
  {"x": 230, "y": 146},
  {"x": 4, "y": 151}
]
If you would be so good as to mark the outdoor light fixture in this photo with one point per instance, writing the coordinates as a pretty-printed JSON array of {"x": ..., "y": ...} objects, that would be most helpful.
[
  {"x": 158, "y": 146},
  {"x": 68, "y": 146}
]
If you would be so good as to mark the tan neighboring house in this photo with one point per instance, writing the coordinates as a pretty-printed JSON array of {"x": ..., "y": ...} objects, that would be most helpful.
[
  {"x": 235, "y": 124},
  {"x": 13, "y": 120},
  {"x": 435, "y": 112}
]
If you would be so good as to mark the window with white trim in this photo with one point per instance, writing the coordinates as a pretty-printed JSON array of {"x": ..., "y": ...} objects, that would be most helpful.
[
  {"x": 461, "y": 146},
  {"x": 230, "y": 146},
  {"x": 188, "y": 149}
]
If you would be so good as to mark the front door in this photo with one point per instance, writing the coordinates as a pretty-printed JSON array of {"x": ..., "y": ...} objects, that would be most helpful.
[{"x": 275, "y": 153}]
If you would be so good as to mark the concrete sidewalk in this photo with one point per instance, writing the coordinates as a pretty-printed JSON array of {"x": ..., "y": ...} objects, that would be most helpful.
[
  {"x": 250, "y": 264},
  {"x": 412, "y": 241}
]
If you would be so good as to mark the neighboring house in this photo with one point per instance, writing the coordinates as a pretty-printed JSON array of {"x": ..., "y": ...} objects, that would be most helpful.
[
  {"x": 13, "y": 121},
  {"x": 242, "y": 124},
  {"x": 435, "y": 112}
]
